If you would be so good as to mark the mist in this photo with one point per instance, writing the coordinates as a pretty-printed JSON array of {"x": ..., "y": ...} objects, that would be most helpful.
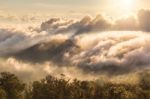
[{"x": 91, "y": 47}]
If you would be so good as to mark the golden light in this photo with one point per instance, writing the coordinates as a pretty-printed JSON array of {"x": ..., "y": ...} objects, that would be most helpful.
[
  {"x": 125, "y": 6},
  {"x": 126, "y": 3}
]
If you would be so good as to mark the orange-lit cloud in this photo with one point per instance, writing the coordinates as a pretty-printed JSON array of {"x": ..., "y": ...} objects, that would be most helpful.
[{"x": 93, "y": 45}]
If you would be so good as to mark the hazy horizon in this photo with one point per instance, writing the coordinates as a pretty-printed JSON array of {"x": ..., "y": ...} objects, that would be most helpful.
[{"x": 31, "y": 10}]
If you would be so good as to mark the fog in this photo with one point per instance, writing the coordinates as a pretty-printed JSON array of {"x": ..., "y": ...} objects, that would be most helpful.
[{"x": 86, "y": 49}]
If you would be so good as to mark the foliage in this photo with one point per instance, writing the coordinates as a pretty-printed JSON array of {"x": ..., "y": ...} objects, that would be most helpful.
[
  {"x": 10, "y": 86},
  {"x": 53, "y": 88}
]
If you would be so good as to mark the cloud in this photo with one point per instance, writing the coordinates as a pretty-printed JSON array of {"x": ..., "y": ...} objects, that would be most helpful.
[
  {"x": 128, "y": 23},
  {"x": 139, "y": 22},
  {"x": 6, "y": 16},
  {"x": 90, "y": 46},
  {"x": 143, "y": 18},
  {"x": 107, "y": 52},
  {"x": 12, "y": 40},
  {"x": 116, "y": 54},
  {"x": 55, "y": 25}
]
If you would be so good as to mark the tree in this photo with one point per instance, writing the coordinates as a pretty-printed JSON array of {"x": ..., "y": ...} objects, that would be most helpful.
[
  {"x": 11, "y": 85},
  {"x": 2, "y": 94}
]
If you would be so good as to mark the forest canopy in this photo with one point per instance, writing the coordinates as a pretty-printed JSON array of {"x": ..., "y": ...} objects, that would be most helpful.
[{"x": 59, "y": 88}]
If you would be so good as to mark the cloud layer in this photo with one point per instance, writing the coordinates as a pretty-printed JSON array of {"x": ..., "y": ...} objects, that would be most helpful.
[
  {"x": 91, "y": 46},
  {"x": 99, "y": 23}
]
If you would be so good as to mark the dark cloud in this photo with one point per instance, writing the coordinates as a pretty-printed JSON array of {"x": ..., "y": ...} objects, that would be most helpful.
[{"x": 48, "y": 51}]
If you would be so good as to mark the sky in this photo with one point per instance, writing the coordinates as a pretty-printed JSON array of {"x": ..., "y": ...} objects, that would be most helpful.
[{"x": 77, "y": 7}]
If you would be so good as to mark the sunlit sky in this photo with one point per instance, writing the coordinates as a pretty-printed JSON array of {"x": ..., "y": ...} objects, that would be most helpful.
[{"x": 109, "y": 7}]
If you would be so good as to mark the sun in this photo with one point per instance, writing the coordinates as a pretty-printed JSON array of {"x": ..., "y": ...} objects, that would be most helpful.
[
  {"x": 126, "y": 3},
  {"x": 126, "y": 6}
]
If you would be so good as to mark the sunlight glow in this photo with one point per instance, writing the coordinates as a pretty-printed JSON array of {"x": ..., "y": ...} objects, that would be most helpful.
[{"x": 126, "y": 6}]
